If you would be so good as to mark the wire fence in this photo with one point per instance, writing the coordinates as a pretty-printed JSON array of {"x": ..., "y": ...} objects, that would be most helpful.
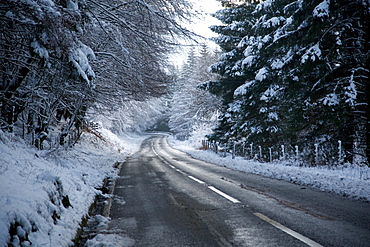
[{"x": 315, "y": 155}]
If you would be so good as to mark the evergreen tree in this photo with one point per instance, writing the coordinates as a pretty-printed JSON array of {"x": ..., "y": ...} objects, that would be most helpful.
[
  {"x": 295, "y": 74},
  {"x": 193, "y": 109}
]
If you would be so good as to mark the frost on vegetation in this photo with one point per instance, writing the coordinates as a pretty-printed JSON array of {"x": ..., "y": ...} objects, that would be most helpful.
[
  {"x": 312, "y": 53},
  {"x": 351, "y": 92},
  {"x": 263, "y": 110},
  {"x": 248, "y": 61},
  {"x": 243, "y": 89},
  {"x": 261, "y": 74},
  {"x": 72, "y": 5},
  {"x": 40, "y": 50},
  {"x": 237, "y": 68},
  {"x": 322, "y": 9},
  {"x": 80, "y": 59},
  {"x": 236, "y": 26},
  {"x": 227, "y": 56},
  {"x": 271, "y": 92},
  {"x": 273, "y": 22},
  {"x": 273, "y": 116},
  {"x": 278, "y": 63},
  {"x": 244, "y": 42},
  {"x": 263, "y": 5},
  {"x": 248, "y": 51},
  {"x": 331, "y": 100},
  {"x": 235, "y": 106},
  {"x": 266, "y": 38}
]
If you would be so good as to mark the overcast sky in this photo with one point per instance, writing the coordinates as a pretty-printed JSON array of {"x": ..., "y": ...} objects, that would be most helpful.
[
  {"x": 201, "y": 26},
  {"x": 208, "y": 7}
]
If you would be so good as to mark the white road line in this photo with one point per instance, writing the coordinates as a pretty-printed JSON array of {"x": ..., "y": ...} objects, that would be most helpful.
[
  {"x": 288, "y": 231},
  {"x": 224, "y": 195},
  {"x": 171, "y": 166},
  {"x": 195, "y": 179},
  {"x": 155, "y": 151},
  {"x": 183, "y": 173}
]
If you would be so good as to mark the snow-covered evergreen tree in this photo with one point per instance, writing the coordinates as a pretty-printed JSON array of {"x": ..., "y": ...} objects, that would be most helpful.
[
  {"x": 295, "y": 73},
  {"x": 193, "y": 109}
]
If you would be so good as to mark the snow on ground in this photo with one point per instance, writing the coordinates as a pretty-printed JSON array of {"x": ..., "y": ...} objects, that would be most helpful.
[
  {"x": 348, "y": 180},
  {"x": 44, "y": 194}
]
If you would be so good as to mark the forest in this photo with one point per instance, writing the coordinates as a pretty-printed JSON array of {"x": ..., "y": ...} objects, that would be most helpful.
[
  {"x": 291, "y": 76},
  {"x": 294, "y": 79},
  {"x": 64, "y": 62}
]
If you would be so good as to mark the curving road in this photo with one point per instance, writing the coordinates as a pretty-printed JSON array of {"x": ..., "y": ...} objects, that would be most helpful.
[{"x": 172, "y": 199}]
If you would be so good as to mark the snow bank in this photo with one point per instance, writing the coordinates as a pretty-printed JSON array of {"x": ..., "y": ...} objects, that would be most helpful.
[
  {"x": 45, "y": 194},
  {"x": 347, "y": 180}
]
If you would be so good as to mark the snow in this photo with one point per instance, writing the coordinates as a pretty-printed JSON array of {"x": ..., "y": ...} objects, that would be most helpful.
[
  {"x": 322, "y": 9},
  {"x": 261, "y": 74},
  {"x": 109, "y": 240},
  {"x": 72, "y": 5},
  {"x": 37, "y": 184},
  {"x": 248, "y": 61},
  {"x": 351, "y": 91},
  {"x": 263, "y": 5},
  {"x": 278, "y": 63},
  {"x": 273, "y": 116},
  {"x": 312, "y": 53},
  {"x": 347, "y": 180},
  {"x": 271, "y": 92},
  {"x": 39, "y": 49},
  {"x": 80, "y": 59},
  {"x": 242, "y": 90},
  {"x": 273, "y": 22},
  {"x": 331, "y": 100}
]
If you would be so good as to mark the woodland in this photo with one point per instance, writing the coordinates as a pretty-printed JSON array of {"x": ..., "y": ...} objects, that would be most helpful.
[
  {"x": 294, "y": 79},
  {"x": 289, "y": 75}
]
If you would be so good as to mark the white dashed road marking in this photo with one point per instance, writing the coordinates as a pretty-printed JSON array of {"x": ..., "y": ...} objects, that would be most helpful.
[
  {"x": 232, "y": 199},
  {"x": 197, "y": 180},
  {"x": 281, "y": 227},
  {"x": 288, "y": 231}
]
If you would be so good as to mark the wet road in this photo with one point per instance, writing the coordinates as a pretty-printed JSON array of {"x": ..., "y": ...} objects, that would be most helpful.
[{"x": 171, "y": 199}]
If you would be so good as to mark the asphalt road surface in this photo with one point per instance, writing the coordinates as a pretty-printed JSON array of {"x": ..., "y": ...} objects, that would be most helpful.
[{"x": 172, "y": 199}]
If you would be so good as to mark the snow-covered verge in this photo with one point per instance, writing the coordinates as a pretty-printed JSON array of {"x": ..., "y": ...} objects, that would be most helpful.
[
  {"x": 45, "y": 194},
  {"x": 347, "y": 180}
]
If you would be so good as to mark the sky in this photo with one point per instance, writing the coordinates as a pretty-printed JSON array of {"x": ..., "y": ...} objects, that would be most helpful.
[
  {"x": 200, "y": 26},
  {"x": 208, "y": 7}
]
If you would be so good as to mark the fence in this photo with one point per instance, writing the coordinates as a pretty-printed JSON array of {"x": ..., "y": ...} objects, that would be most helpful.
[{"x": 307, "y": 156}]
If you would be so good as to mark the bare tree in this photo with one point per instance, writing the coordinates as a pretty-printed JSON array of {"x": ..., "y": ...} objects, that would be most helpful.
[
  {"x": 59, "y": 58},
  {"x": 131, "y": 40}
]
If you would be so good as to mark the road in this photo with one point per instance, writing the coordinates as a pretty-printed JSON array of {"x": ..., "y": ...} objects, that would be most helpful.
[{"x": 172, "y": 199}]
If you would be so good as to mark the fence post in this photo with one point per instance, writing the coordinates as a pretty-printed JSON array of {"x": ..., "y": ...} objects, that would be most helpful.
[
  {"x": 316, "y": 154},
  {"x": 297, "y": 152},
  {"x": 270, "y": 152},
  {"x": 260, "y": 152},
  {"x": 233, "y": 152},
  {"x": 283, "y": 151},
  {"x": 251, "y": 145},
  {"x": 340, "y": 158}
]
